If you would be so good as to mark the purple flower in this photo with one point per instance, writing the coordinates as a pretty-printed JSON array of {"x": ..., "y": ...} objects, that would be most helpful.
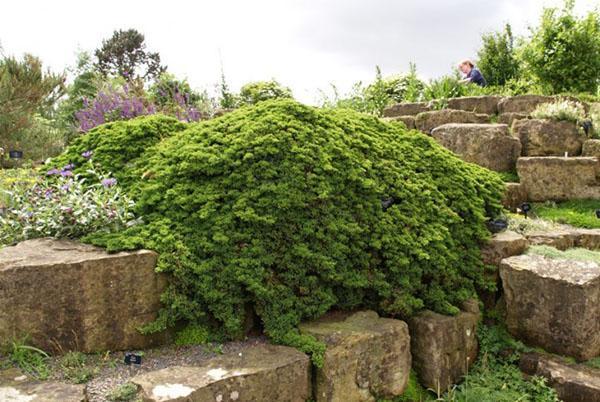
[
  {"x": 65, "y": 187},
  {"x": 52, "y": 172},
  {"x": 70, "y": 166},
  {"x": 66, "y": 173},
  {"x": 87, "y": 154},
  {"x": 48, "y": 193},
  {"x": 109, "y": 182}
]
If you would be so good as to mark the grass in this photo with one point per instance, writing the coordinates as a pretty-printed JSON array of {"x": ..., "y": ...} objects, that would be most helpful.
[
  {"x": 525, "y": 226},
  {"x": 578, "y": 254},
  {"x": 578, "y": 213},
  {"x": 30, "y": 360}
]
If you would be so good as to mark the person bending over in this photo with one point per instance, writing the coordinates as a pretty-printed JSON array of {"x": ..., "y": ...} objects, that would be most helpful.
[{"x": 471, "y": 73}]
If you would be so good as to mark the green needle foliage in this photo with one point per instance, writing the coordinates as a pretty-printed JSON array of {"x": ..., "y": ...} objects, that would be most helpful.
[
  {"x": 117, "y": 145},
  {"x": 276, "y": 210}
]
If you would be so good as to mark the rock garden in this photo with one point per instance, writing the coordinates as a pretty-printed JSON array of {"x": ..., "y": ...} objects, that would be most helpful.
[{"x": 407, "y": 242}]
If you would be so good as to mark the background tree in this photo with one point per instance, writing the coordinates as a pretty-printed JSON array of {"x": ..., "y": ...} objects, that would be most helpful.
[
  {"x": 564, "y": 51},
  {"x": 497, "y": 57},
  {"x": 24, "y": 90},
  {"x": 125, "y": 55}
]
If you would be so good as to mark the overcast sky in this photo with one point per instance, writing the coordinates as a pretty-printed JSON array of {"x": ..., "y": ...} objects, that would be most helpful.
[{"x": 306, "y": 45}]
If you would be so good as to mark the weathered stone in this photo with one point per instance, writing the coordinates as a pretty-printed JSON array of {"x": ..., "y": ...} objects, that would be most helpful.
[
  {"x": 406, "y": 109},
  {"x": 553, "y": 303},
  {"x": 522, "y": 103},
  {"x": 514, "y": 196},
  {"x": 366, "y": 357},
  {"x": 70, "y": 296},
  {"x": 567, "y": 238},
  {"x": 559, "y": 239},
  {"x": 258, "y": 373},
  {"x": 502, "y": 245},
  {"x": 443, "y": 347},
  {"x": 427, "y": 121},
  {"x": 556, "y": 178},
  {"x": 510, "y": 118},
  {"x": 488, "y": 145},
  {"x": 487, "y": 104},
  {"x": 591, "y": 148},
  {"x": 587, "y": 238},
  {"x": 548, "y": 137},
  {"x": 409, "y": 121},
  {"x": 572, "y": 382},
  {"x": 16, "y": 387}
]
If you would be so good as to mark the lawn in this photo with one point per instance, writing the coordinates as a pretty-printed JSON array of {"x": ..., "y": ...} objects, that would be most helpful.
[{"x": 578, "y": 213}]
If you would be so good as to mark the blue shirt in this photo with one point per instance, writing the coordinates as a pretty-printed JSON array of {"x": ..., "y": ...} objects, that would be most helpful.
[{"x": 476, "y": 77}]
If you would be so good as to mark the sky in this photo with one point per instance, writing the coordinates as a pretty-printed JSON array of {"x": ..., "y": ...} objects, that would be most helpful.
[{"x": 306, "y": 45}]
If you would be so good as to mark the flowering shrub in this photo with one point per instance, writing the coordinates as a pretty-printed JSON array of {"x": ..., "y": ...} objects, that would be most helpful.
[
  {"x": 64, "y": 205},
  {"x": 111, "y": 105},
  {"x": 115, "y": 104},
  {"x": 560, "y": 110}
]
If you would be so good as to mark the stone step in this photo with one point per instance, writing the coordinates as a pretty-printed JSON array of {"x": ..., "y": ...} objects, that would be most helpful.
[
  {"x": 69, "y": 296},
  {"x": 502, "y": 245},
  {"x": 572, "y": 382},
  {"x": 553, "y": 303},
  {"x": 260, "y": 373},
  {"x": 548, "y": 137},
  {"x": 444, "y": 347},
  {"x": 558, "y": 178},
  {"x": 488, "y": 145},
  {"x": 17, "y": 387},
  {"x": 567, "y": 238},
  {"x": 427, "y": 121},
  {"x": 514, "y": 196},
  {"x": 522, "y": 103},
  {"x": 366, "y": 357},
  {"x": 406, "y": 109},
  {"x": 487, "y": 104}
]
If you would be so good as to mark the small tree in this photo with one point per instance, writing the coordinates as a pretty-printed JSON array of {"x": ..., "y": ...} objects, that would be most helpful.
[
  {"x": 125, "y": 55},
  {"x": 564, "y": 51},
  {"x": 497, "y": 57},
  {"x": 24, "y": 90}
]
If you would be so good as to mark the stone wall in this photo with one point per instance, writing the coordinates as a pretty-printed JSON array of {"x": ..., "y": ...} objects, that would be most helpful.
[{"x": 70, "y": 296}]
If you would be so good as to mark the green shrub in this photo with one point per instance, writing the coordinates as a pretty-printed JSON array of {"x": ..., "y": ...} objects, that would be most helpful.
[
  {"x": 564, "y": 50},
  {"x": 278, "y": 207},
  {"x": 255, "y": 92},
  {"x": 560, "y": 110},
  {"x": 192, "y": 335},
  {"x": 116, "y": 146}
]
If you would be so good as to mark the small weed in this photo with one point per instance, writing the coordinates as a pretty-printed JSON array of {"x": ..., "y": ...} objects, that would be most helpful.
[
  {"x": 122, "y": 393},
  {"x": 73, "y": 365}
]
